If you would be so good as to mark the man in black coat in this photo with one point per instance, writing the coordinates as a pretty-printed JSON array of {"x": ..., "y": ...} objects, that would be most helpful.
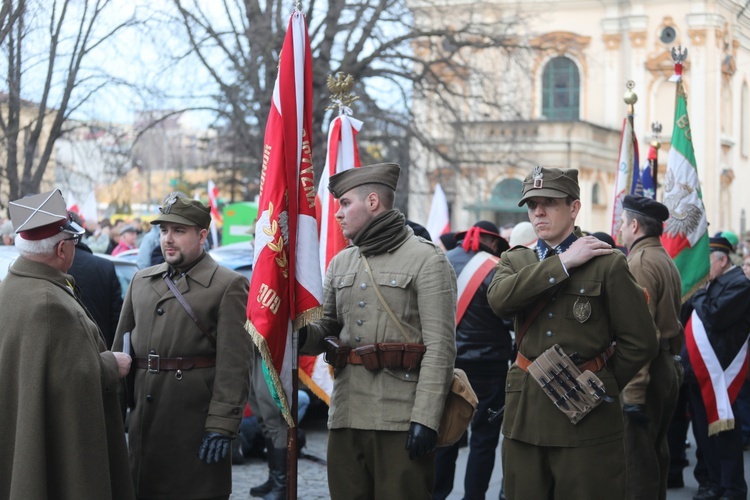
[
  {"x": 716, "y": 338},
  {"x": 484, "y": 350},
  {"x": 100, "y": 289}
]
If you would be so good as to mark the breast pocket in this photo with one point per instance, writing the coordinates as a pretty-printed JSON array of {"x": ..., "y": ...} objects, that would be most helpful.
[
  {"x": 343, "y": 284},
  {"x": 396, "y": 290},
  {"x": 583, "y": 300}
]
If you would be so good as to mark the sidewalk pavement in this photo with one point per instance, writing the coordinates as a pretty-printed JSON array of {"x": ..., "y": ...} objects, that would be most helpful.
[{"x": 312, "y": 483}]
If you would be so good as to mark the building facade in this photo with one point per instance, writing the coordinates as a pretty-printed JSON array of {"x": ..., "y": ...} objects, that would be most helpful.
[{"x": 567, "y": 86}]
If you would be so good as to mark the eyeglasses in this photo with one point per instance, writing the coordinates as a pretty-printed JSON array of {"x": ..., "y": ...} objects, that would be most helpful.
[{"x": 75, "y": 239}]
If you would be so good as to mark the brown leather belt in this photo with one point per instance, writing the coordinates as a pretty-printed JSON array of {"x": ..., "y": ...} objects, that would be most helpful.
[
  {"x": 593, "y": 365},
  {"x": 354, "y": 358},
  {"x": 154, "y": 363}
]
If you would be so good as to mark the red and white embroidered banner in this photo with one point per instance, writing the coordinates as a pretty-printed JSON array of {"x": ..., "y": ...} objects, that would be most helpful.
[
  {"x": 286, "y": 287},
  {"x": 719, "y": 387}
]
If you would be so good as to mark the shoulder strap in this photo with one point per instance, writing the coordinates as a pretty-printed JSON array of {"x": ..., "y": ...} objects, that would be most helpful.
[
  {"x": 181, "y": 299},
  {"x": 382, "y": 301}
]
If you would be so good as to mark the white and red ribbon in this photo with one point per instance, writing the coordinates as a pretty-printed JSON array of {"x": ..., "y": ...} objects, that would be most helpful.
[{"x": 719, "y": 387}]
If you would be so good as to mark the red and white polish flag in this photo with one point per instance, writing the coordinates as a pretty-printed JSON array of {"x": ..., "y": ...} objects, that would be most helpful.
[{"x": 286, "y": 287}]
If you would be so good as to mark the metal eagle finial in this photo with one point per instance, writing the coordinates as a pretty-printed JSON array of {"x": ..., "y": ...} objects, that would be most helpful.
[
  {"x": 679, "y": 54},
  {"x": 341, "y": 90}
]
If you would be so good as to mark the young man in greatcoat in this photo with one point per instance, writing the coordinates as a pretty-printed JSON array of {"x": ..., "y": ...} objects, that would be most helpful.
[
  {"x": 61, "y": 428},
  {"x": 385, "y": 410},
  {"x": 191, "y": 375},
  {"x": 575, "y": 292},
  {"x": 651, "y": 397}
]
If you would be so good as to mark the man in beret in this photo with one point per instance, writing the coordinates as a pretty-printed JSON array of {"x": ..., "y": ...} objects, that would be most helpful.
[
  {"x": 392, "y": 372},
  {"x": 60, "y": 420},
  {"x": 651, "y": 397},
  {"x": 574, "y": 292},
  {"x": 717, "y": 340},
  {"x": 484, "y": 349},
  {"x": 185, "y": 319}
]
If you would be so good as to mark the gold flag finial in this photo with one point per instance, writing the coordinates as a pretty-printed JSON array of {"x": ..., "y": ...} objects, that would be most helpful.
[
  {"x": 629, "y": 96},
  {"x": 341, "y": 91}
]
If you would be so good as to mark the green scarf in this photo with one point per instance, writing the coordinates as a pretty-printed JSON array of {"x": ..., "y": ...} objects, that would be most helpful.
[{"x": 382, "y": 233}]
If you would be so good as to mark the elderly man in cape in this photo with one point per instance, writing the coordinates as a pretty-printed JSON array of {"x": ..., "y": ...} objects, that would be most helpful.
[{"x": 60, "y": 420}]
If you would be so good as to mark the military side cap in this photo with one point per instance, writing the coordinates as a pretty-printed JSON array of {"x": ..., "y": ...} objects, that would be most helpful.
[
  {"x": 380, "y": 173},
  {"x": 645, "y": 206},
  {"x": 720, "y": 244},
  {"x": 183, "y": 210},
  {"x": 42, "y": 216},
  {"x": 550, "y": 183}
]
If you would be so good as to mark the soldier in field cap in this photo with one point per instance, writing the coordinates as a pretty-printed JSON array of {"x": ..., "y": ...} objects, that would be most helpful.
[
  {"x": 392, "y": 374},
  {"x": 192, "y": 355},
  {"x": 572, "y": 294},
  {"x": 60, "y": 420},
  {"x": 649, "y": 400}
]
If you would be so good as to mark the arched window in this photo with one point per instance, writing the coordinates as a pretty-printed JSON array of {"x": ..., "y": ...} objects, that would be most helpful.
[
  {"x": 560, "y": 90},
  {"x": 596, "y": 195},
  {"x": 508, "y": 192}
]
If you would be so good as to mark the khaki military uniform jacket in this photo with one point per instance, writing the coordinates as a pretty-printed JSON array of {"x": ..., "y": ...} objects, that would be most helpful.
[
  {"x": 170, "y": 416},
  {"x": 618, "y": 313},
  {"x": 60, "y": 421},
  {"x": 655, "y": 271},
  {"x": 419, "y": 285}
]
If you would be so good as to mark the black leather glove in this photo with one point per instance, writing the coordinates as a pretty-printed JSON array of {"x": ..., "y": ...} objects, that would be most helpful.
[
  {"x": 214, "y": 447},
  {"x": 636, "y": 413},
  {"x": 420, "y": 440}
]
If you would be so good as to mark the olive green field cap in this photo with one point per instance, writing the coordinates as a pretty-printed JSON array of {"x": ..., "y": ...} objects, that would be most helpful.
[
  {"x": 380, "y": 173},
  {"x": 184, "y": 210},
  {"x": 550, "y": 183}
]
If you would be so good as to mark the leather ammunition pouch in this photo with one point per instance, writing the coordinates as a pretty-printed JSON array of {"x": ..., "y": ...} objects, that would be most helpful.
[
  {"x": 573, "y": 392},
  {"x": 370, "y": 357},
  {"x": 375, "y": 357},
  {"x": 336, "y": 353}
]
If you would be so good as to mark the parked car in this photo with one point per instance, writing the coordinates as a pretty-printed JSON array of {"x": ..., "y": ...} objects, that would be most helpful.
[
  {"x": 7, "y": 255},
  {"x": 124, "y": 268},
  {"x": 236, "y": 256}
]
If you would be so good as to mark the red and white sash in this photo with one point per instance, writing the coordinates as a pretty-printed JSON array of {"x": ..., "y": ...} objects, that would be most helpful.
[
  {"x": 472, "y": 275},
  {"x": 719, "y": 387}
]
